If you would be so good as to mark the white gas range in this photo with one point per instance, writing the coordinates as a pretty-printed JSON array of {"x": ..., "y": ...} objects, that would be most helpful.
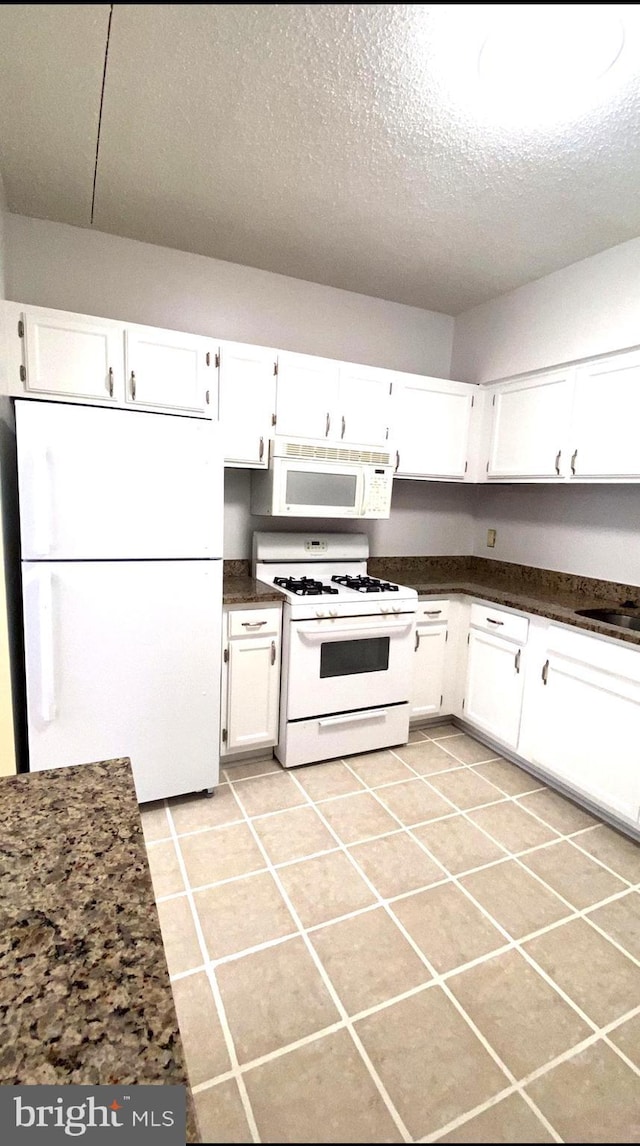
[{"x": 347, "y": 646}]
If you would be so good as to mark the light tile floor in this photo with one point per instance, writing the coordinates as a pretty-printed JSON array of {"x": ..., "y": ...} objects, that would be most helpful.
[{"x": 423, "y": 944}]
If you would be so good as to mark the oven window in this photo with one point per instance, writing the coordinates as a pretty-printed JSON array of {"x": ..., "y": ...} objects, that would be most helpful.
[
  {"x": 346, "y": 658},
  {"x": 305, "y": 488}
]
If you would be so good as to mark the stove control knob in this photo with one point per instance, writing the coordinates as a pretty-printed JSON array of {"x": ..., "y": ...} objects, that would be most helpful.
[
  {"x": 320, "y": 613},
  {"x": 383, "y": 610},
  {"x": 333, "y": 612}
]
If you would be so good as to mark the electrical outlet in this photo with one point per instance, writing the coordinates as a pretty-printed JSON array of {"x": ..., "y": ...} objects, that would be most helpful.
[{"x": 491, "y": 538}]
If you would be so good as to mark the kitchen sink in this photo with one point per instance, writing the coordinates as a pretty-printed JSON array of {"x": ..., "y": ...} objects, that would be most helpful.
[{"x": 611, "y": 617}]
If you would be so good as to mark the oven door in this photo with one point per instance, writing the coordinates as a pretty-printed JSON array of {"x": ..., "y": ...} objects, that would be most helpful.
[
  {"x": 339, "y": 664},
  {"x": 317, "y": 489}
]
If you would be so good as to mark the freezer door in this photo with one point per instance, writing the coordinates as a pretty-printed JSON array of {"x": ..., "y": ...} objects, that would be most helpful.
[
  {"x": 123, "y": 659},
  {"x": 97, "y": 483}
]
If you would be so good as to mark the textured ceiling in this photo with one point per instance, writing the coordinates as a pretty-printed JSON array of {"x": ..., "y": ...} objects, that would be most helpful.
[{"x": 327, "y": 142}]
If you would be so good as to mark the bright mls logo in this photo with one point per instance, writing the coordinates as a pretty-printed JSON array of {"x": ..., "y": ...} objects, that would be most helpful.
[{"x": 138, "y": 1114}]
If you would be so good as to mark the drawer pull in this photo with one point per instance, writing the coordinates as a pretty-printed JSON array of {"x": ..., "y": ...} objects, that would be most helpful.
[
  {"x": 432, "y": 612},
  {"x": 545, "y": 672},
  {"x": 492, "y": 622},
  {"x": 252, "y": 624}
]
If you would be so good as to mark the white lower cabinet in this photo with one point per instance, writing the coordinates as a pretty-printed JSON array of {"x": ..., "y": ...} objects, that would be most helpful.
[
  {"x": 429, "y": 661},
  {"x": 585, "y": 719},
  {"x": 251, "y": 678},
  {"x": 494, "y": 677}
]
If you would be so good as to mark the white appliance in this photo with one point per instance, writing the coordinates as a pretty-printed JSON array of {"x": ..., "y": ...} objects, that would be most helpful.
[
  {"x": 121, "y": 536},
  {"x": 310, "y": 479},
  {"x": 347, "y": 651}
]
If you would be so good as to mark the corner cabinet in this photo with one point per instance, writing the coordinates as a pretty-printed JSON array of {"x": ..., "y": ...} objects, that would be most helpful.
[
  {"x": 250, "y": 694},
  {"x": 530, "y": 428},
  {"x": 430, "y": 426},
  {"x": 429, "y": 658},
  {"x": 495, "y": 680}
]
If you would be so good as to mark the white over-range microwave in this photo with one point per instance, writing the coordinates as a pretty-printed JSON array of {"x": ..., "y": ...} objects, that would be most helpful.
[{"x": 310, "y": 479}]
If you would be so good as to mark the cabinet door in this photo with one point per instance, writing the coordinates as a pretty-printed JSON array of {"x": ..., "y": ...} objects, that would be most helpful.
[
  {"x": 170, "y": 370},
  {"x": 247, "y": 403},
  {"x": 307, "y": 397},
  {"x": 577, "y": 707},
  {"x": 530, "y": 426},
  {"x": 69, "y": 355},
  {"x": 253, "y": 692},
  {"x": 493, "y": 697},
  {"x": 428, "y": 670},
  {"x": 364, "y": 402},
  {"x": 606, "y": 414},
  {"x": 430, "y": 427}
]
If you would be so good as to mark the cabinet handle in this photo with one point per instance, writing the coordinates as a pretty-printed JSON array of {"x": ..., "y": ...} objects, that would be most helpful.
[
  {"x": 492, "y": 622},
  {"x": 397, "y": 461},
  {"x": 261, "y": 451},
  {"x": 558, "y": 456},
  {"x": 432, "y": 612},
  {"x": 111, "y": 381},
  {"x": 326, "y": 431},
  {"x": 207, "y": 397},
  {"x": 573, "y": 462},
  {"x": 545, "y": 672},
  {"x": 133, "y": 385},
  {"x": 273, "y": 652},
  {"x": 517, "y": 660},
  {"x": 344, "y": 426},
  {"x": 252, "y": 624},
  {"x": 415, "y": 648}
]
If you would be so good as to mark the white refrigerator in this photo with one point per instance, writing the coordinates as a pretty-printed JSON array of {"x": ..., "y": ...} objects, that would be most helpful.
[{"x": 121, "y": 545}]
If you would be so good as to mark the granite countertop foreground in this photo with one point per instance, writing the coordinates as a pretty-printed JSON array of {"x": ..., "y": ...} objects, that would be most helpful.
[{"x": 85, "y": 995}]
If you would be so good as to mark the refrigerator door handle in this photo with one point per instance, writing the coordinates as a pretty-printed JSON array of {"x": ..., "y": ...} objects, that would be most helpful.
[
  {"x": 42, "y": 502},
  {"x": 48, "y": 710}
]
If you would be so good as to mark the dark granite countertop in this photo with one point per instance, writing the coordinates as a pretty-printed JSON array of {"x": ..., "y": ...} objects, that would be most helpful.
[
  {"x": 85, "y": 995},
  {"x": 245, "y": 590},
  {"x": 543, "y": 592}
]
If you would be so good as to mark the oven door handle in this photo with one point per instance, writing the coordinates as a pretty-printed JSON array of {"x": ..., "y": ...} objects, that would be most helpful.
[
  {"x": 349, "y": 633},
  {"x": 353, "y": 717}
]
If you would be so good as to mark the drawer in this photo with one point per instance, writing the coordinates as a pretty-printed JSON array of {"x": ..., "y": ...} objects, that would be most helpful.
[
  {"x": 507, "y": 625},
  {"x": 254, "y": 622},
  {"x": 432, "y": 610}
]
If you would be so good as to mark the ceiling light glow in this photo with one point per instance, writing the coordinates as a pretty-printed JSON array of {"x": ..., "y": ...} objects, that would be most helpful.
[{"x": 541, "y": 62}]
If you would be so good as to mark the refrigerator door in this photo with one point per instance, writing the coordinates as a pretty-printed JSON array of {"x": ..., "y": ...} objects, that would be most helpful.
[
  {"x": 123, "y": 659},
  {"x": 97, "y": 483}
]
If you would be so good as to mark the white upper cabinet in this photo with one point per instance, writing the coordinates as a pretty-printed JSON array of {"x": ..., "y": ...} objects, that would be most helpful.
[
  {"x": 307, "y": 396},
  {"x": 364, "y": 401},
  {"x": 530, "y": 425},
  {"x": 333, "y": 401},
  {"x": 247, "y": 403},
  {"x": 69, "y": 355},
  {"x": 430, "y": 426},
  {"x": 170, "y": 370},
  {"x": 606, "y": 413}
]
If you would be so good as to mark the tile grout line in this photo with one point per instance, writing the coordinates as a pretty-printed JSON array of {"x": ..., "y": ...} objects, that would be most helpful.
[
  {"x": 437, "y": 980},
  {"x": 448, "y": 877},
  {"x": 400, "y": 1126},
  {"x": 231, "y": 1051}
]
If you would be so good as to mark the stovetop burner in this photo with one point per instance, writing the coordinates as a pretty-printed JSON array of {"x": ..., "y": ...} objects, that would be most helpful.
[
  {"x": 304, "y": 586},
  {"x": 365, "y": 584}
]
